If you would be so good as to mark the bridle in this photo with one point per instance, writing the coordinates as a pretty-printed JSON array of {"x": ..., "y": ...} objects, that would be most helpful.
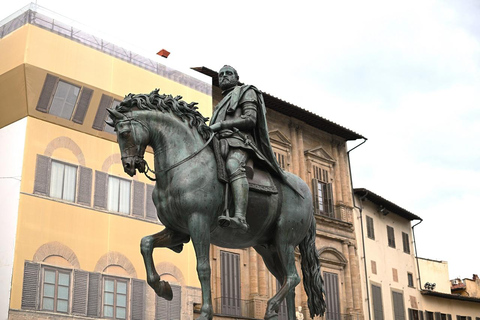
[{"x": 147, "y": 167}]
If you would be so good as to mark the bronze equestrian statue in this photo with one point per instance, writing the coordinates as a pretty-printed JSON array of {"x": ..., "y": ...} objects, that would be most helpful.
[{"x": 273, "y": 217}]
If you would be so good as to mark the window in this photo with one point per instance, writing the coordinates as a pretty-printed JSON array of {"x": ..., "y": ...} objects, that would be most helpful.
[
  {"x": 391, "y": 237},
  {"x": 415, "y": 314},
  {"x": 63, "y": 181},
  {"x": 406, "y": 243},
  {"x": 118, "y": 195},
  {"x": 230, "y": 283},
  {"x": 56, "y": 289},
  {"x": 410, "y": 280},
  {"x": 281, "y": 159},
  {"x": 115, "y": 298},
  {"x": 370, "y": 230},
  {"x": 322, "y": 191},
  {"x": 429, "y": 315},
  {"x": 64, "y": 99}
]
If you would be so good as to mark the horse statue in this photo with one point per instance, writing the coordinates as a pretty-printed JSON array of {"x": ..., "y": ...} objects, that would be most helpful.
[{"x": 189, "y": 198}]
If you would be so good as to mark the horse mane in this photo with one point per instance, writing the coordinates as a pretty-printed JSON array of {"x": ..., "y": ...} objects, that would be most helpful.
[{"x": 167, "y": 103}]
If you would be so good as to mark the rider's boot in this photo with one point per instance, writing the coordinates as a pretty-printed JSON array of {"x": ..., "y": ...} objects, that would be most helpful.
[{"x": 240, "y": 199}]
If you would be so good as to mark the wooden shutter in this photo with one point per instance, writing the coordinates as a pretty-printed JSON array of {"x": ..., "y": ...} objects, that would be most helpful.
[
  {"x": 138, "y": 206},
  {"x": 230, "y": 283},
  {"x": 162, "y": 312},
  {"x": 138, "y": 299},
  {"x": 31, "y": 276},
  {"x": 377, "y": 302},
  {"x": 93, "y": 305},
  {"x": 47, "y": 93},
  {"x": 315, "y": 195},
  {"x": 85, "y": 186},
  {"x": 42, "y": 175},
  {"x": 398, "y": 306},
  {"x": 98, "y": 122},
  {"x": 100, "y": 197},
  {"x": 151, "y": 210},
  {"x": 82, "y": 105},
  {"x": 332, "y": 295},
  {"x": 176, "y": 303},
  {"x": 329, "y": 199},
  {"x": 79, "y": 296}
]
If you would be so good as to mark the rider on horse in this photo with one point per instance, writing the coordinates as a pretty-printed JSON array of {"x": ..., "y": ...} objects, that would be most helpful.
[{"x": 240, "y": 121}]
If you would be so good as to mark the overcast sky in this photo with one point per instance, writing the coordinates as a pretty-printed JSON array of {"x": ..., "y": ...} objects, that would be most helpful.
[{"x": 404, "y": 74}]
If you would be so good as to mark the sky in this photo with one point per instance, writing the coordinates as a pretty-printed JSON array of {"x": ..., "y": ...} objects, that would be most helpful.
[{"x": 404, "y": 74}]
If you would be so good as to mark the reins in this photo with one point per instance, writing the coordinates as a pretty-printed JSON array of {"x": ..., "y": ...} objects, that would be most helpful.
[{"x": 178, "y": 163}]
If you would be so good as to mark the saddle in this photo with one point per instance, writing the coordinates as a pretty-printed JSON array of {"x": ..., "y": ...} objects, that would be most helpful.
[{"x": 259, "y": 180}]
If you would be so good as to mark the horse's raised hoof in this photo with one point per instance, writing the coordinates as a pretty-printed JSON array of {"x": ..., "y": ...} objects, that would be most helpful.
[{"x": 163, "y": 290}]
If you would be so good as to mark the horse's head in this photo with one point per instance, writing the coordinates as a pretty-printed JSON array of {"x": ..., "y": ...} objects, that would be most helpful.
[{"x": 133, "y": 137}]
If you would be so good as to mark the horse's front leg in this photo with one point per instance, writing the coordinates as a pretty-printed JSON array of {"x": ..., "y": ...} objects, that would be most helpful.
[
  {"x": 199, "y": 228},
  {"x": 166, "y": 238}
]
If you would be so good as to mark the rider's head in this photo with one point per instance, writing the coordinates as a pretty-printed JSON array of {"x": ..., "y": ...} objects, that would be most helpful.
[{"x": 227, "y": 77}]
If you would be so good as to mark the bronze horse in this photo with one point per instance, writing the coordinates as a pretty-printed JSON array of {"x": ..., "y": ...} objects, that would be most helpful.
[{"x": 189, "y": 198}]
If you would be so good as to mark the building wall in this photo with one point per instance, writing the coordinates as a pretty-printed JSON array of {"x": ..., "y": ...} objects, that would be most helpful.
[
  {"x": 62, "y": 234},
  {"x": 386, "y": 267},
  {"x": 433, "y": 271}
]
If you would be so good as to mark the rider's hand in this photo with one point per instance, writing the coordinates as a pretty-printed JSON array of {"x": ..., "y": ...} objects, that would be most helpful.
[{"x": 215, "y": 127}]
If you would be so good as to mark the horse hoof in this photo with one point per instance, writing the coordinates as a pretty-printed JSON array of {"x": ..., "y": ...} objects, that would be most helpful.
[{"x": 164, "y": 290}]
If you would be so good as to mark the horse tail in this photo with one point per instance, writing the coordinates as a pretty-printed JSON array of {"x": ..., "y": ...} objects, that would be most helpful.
[{"x": 312, "y": 277}]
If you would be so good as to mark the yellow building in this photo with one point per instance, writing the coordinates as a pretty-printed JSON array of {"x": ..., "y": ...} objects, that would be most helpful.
[{"x": 73, "y": 220}]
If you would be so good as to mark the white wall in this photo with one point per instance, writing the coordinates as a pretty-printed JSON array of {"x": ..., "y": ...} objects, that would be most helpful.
[{"x": 12, "y": 143}]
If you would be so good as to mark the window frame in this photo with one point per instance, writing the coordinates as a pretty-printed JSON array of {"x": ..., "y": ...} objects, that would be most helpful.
[
  {"x": 65, "y": 164},
  {"x": 57, "y": 272},
  {"x": 406, "y": 243},
  {"x": 115, "y": 279},
  {"x": 370, "y": 227},
  {"x": 410, "y": 280}
]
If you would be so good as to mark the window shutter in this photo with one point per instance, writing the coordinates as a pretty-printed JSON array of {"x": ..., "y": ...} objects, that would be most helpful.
[
  {"x": 82, "y": 105},
  {"x": 406, "y": 243},
  {"x": 411, "y": 314},
  {"x": 329, "y": 199},
  {"x": 377, "y": 302},
  {"x": 438, "y": 316},
  {"x": 151, "y": 210},
  {"x": 332, "y": 294},
  {"x": 161, "y": 309},
  {"x": 42, "y": 175},
  {"x": 85, "y": 186},
  {"x": 100, "y": 197},
  {"x": 370, "y": 229},
  {"x": 230, "y": 282},
  {"x": 79, "y": 297},
  {"x": 176, "y": 303},
  {"x": 138, "y": 199},
  {"x": 315, "y": 194},
  {"x": 47, "y": 92},
  {"x": 398, "y": 306},
  {"x": 420, "y": 314},
  {"x": 93, "y": 305},
  {"x": 105, "y": 102},
  {"x": 138, "y": 299},
  {"x": 31, "y": 275}
]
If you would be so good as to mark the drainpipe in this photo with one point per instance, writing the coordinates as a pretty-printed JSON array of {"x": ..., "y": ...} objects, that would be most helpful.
[
  {"x": 360, "y": 209},
  {"x": 416, "y": 253}
]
